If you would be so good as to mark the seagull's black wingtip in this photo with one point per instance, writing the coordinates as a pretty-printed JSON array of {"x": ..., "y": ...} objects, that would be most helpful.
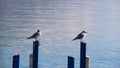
[{"x": 73, "y": 40}]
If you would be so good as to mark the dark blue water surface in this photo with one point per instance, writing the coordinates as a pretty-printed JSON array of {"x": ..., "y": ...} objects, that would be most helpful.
[{"x": 60, "y": 21}]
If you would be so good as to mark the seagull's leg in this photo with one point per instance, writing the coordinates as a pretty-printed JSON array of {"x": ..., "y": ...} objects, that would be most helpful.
[
  {"x": 81, "y": 40},
  {"x": 35, "y": 39}
]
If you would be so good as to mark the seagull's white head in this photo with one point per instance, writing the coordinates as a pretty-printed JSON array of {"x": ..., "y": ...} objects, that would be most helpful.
[{"x": 39, "y": 32}]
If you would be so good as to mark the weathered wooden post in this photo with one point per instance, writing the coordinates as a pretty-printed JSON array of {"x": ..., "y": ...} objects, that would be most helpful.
[
  {"x": 31, "y": 61},
  {"x": 87, "y": 61},
  {"x": 35, "y": 53},
  {"x": 83, "y": 55},
  {"x": 70, "y": 62},
  {"x": 15, "y": 61}
]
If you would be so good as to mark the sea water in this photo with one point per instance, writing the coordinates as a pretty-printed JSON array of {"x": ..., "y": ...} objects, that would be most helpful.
[{"x": 60, "y": 21}]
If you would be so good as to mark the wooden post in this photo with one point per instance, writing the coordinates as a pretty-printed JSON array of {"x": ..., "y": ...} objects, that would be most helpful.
[
  {"x": 16, "y": 61},
  {"x": 83, "y": 55},
  {"x": 70, "y": 62},
  {"x": 31, "y": 61},
  {"x": 35, "y": 54},
  {"x": 87, "y": 61}
]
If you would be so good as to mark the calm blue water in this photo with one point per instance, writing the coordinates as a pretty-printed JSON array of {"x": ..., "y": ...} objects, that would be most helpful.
[{"x": 60, "y": 21}]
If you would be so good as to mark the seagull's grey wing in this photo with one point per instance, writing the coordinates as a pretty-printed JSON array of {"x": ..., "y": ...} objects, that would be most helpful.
[
  {"x": 80, "y": 36},
  {"x": 33, "y": 36}
]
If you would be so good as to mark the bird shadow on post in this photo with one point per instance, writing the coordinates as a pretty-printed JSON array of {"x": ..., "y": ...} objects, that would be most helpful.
[
  {"x": 35, "y": 53},
  {"x": 31, "y": 60}
]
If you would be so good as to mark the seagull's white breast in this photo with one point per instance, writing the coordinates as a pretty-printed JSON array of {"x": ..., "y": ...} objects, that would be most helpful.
[
  {"x": 40, "y": 33},
  {"x": 84, "y": 34}
]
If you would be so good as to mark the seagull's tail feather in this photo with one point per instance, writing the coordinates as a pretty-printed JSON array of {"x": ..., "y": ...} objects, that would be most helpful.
[
  {"x": 74, "y": 39},
  {"x": 29, "y": 37}
]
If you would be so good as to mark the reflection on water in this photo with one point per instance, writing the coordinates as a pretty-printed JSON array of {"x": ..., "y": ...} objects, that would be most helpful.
[{"x": 60, "y": 21}]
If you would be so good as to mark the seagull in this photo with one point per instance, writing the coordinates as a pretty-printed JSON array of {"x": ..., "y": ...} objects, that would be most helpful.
[
  {"x": 80, "y": 36},
  {"x": 35, "y": 35}
]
